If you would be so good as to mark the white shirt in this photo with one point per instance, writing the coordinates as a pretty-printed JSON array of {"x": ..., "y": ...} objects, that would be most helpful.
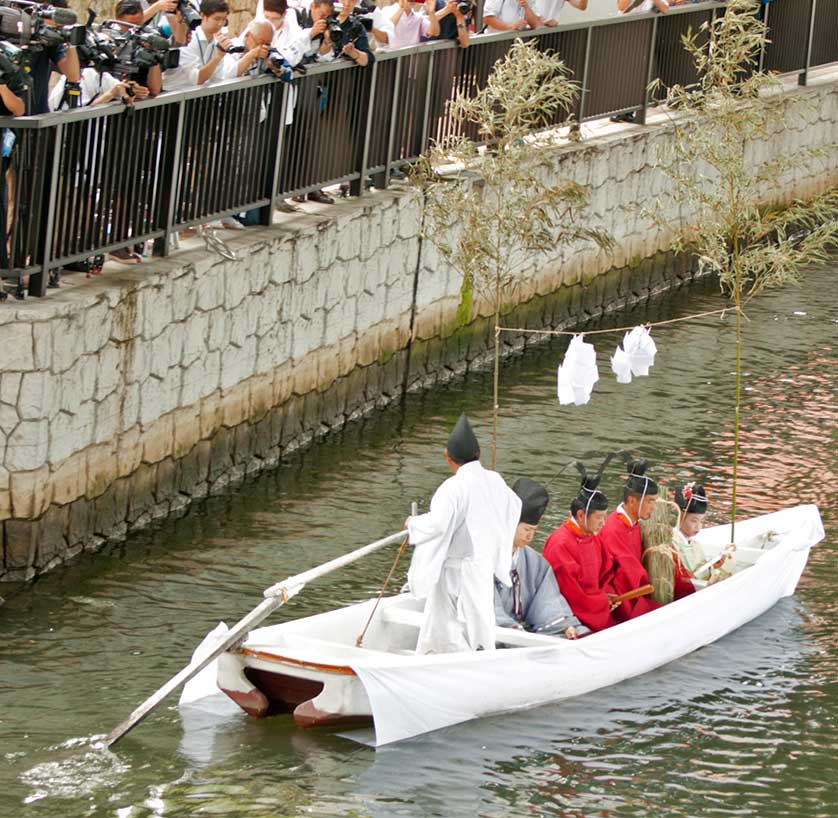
[
  {"x": 290, "y": 40},
  {"x": 193, "y": 57},
  {"x": 548, "y": 9},
  {"x": 382, "y": 19},
  {"x": 92, "y": 85},
  {"x": 645, "y": 7},
  {"x": 507, "y": 11}
]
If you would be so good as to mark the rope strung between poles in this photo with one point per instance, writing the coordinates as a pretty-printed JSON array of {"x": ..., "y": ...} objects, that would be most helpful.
[
  {"x": 360, "y": 640},
  {"x": 649, "y": 325}
]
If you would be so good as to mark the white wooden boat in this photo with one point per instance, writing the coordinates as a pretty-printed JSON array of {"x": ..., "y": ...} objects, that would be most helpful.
[{"x": 312, "y": 668}]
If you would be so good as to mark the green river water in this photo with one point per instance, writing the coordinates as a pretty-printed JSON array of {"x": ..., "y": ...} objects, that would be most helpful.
[{"x": 745, "y": 727}]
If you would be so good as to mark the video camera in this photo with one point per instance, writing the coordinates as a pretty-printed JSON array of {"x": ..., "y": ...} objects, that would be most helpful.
[
  {"x": 35, "y": 26},
  {"x": 188, "y": 14},
  {"x": 10, "y": 75},
  {"x": 124, "y": 49}
]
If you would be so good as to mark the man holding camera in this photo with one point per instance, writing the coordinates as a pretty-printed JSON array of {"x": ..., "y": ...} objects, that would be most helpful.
[
  {"x": 201, "y": 60},
  {"x": 131, "y": 11},
  {"x": 246, "y": 54},
  {"x": 356, "y": 48}
]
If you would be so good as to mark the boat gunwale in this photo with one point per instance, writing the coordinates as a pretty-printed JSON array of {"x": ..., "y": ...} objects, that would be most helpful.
[{"x": 338, "y": 670}]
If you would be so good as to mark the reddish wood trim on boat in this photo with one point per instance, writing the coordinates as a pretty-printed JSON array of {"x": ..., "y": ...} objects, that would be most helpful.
[
  {"x": 309, "y": 715},
  {"x": 254, "y": 702},
  {"x": 342, "y": 670}
]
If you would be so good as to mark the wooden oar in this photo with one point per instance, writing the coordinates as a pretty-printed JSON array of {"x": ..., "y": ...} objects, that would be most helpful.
[
  {"x": 275, "y": 596},
  {"x": 643, "y": 590}
]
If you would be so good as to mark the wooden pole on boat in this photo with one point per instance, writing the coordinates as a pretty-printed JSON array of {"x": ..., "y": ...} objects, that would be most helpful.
[
  {"x": 643, "y": 590},
  {"x": 275, "y": 596},
  {"x": 359, "y": 642}
]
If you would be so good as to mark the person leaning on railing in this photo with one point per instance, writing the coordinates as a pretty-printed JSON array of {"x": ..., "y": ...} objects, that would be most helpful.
[
  {"x": 12, "y": 91},
  {"x": 409, "y": 27},
  {"x": 509, "y": 15},
  {"x": 642, "y": 6},
  {"x": 452, "y": 22},
  {"x": 548, "y": 10},
  {"x": 131, "y": 11},
  {"x": 202, "y": 58},
  {"x": 97, "y": 88},
  {"x": 42, "y": 61}
]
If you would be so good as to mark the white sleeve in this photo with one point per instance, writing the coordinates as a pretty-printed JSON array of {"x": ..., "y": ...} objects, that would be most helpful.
[
  {"x": 230, "y": 67},
  {"x": 492, "y": 8},
  {"x": 57, "y": 94},
  {"x": 189, "y": 66}
]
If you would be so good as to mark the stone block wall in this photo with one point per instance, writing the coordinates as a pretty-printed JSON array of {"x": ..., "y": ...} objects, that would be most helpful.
[{"x": 124, "y": 399}]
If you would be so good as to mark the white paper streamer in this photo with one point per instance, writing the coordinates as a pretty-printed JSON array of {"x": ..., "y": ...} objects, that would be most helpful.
[
  {"x": 578, "y": 373},
  {"x": 635, "y": 356}
]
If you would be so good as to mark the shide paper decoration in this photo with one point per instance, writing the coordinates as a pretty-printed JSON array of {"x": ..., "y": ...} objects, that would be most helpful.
[
  {"x": 635, "y": 356},
  {"x": 578, "y": 372}
]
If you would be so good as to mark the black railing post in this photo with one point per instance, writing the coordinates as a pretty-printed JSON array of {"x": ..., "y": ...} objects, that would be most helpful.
[
  {"x": 803, "y": 76},
  {"x": 274, "y": 162},
  {"x": 640, "y": 117},
  {"x": 765, "y": 10},
  {"x": 171, "y": 171},
  {"x": 356, "y": 186},
  {"x": 38, "y": 281},
  {"x": 426, "y": 115},
  {"x": 583, "y": 96},
  {"x": 394, "y": 111}
]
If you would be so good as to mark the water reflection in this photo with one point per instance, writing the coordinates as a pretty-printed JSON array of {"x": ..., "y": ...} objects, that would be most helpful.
[{"x": 744, "y": 727}]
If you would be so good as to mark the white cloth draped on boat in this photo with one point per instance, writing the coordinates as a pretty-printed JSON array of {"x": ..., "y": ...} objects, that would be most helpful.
[
  {"x": 542, "y": 606},
  {"x": 578, "y": 373},
  {"x": 461, "y": 543},
  {"x": 437, "y": 691}
]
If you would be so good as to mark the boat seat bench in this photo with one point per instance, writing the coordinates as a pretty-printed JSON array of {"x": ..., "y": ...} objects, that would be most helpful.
[{"x": 506, "y": 636}]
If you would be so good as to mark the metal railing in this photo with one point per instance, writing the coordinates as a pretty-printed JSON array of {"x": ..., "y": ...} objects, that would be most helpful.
[{"x": 97, "y": 179}]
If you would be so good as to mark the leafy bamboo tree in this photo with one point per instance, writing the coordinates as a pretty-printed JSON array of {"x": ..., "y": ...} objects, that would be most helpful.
[
  {"x": 498, "y": 205},
  {"x": 724, "y": 193}
]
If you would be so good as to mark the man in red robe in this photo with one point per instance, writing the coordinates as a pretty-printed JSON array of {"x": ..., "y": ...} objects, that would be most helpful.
[
  {"x": 583, "y": 569},
  {"x": 620, "y": 537}
]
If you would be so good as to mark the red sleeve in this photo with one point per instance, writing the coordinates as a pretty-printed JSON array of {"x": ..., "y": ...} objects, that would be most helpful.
[{"x": 590, "y": 606}]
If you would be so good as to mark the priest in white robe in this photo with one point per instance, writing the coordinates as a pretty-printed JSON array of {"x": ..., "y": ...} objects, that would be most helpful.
[{"x": 462, "y": 544}]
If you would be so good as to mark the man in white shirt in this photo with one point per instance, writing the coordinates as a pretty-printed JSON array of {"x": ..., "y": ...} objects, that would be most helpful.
[
  {"x": 548, "y": 10},
  {"x": 256, "y": 40},
  {"x": 509, "y": 15},
  {"x": 202, "y": 59},
  {"x": 97, "y": 88},
  {"x": 289, "y": 39}
]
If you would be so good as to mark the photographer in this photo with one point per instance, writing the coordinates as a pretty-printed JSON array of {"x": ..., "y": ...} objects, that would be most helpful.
[
  {"x": 452, "y": 16},
  {"x": 42, "y": 60},
  {"x": 131, "y": 11},
  {"x": 325, "y": 28},
  {"x": 509, "y": 15},
  {"x": 202, "y": 60},
  {"x": 97, "y": 88},
  {"x": 256, "y": 41},
  {"x": 289, "y": 39},
  {"x": 12, "y": 93}
]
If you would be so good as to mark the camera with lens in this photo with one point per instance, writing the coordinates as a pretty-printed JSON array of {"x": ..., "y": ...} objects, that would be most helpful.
[
  {"x": 188, "y": 14},
  {"x": 466, "y": 8},
  {"x": 35, "y": 26},
  {"x": 10, "y": 75},
  {"x": 353, "y": 27},
  {"x": 125, "y": 50},
  {"x": 279, "y": 65}
]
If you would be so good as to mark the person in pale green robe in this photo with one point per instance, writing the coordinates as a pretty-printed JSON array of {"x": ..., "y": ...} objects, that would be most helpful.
[{"x": 692, "y": 500}]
